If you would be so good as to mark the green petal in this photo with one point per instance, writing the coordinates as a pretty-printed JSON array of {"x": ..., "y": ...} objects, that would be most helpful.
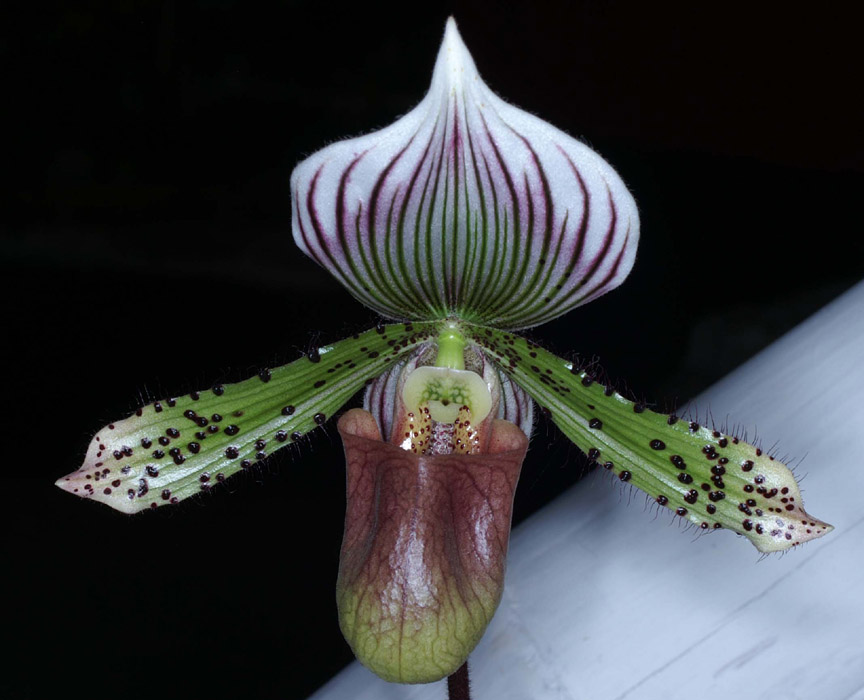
[
  {"x": 712, "y": 479},
  {"x": 172, "y": 449}
]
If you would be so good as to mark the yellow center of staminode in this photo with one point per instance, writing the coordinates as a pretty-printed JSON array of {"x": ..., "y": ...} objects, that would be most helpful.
[{"x": 445, "y": 390}]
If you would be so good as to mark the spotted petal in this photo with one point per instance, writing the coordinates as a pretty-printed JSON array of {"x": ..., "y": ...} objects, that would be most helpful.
[
  {"x": 467, "y": 207},
  {"x": 174, "y": 448},
  {"x": 712, "y": 479}
]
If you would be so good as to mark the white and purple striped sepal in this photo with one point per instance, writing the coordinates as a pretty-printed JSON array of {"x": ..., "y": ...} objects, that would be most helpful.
[{"x": 466, "y": 207}]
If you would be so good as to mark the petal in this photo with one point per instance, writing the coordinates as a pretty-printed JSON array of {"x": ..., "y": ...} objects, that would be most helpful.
[
  {"x": 467, "y": 207},
  {"x": 712, "y": 479},
  {"x": 422, "y": 563},
  {"x": 172, "y": 449}
]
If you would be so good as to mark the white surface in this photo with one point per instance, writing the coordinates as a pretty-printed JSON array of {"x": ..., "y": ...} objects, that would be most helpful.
[{"x": 605, "y": 601}]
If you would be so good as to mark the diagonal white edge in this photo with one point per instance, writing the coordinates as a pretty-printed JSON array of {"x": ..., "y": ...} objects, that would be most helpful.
[{"x": 605, "y": 601}]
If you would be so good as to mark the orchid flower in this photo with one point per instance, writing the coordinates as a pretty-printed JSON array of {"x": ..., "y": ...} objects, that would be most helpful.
[{"x": 464, "y": 221}]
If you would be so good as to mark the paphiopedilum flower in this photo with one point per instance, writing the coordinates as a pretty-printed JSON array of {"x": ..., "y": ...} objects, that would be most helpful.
[{"x": 461, "y": 222}]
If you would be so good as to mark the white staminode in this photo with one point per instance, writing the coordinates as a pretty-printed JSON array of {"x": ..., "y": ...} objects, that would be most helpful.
[{"x": 446, "y": 391}]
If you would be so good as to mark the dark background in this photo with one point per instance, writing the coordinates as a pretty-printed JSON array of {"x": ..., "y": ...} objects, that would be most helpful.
[{"x": 146, "y": 247}]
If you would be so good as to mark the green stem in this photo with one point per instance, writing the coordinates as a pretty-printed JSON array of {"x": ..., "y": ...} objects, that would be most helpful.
[{"x": 451, "y": 347}]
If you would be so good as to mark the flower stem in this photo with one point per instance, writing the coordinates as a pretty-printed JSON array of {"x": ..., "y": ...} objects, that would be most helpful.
[
  {"x": 451, "y": 347},
  {"x": 458, "y": 686}
]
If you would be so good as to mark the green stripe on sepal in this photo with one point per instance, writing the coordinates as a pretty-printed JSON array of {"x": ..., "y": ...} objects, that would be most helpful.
[
  {"x": 174, "y": 448},
  {"x": 713, "y": 480}
]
